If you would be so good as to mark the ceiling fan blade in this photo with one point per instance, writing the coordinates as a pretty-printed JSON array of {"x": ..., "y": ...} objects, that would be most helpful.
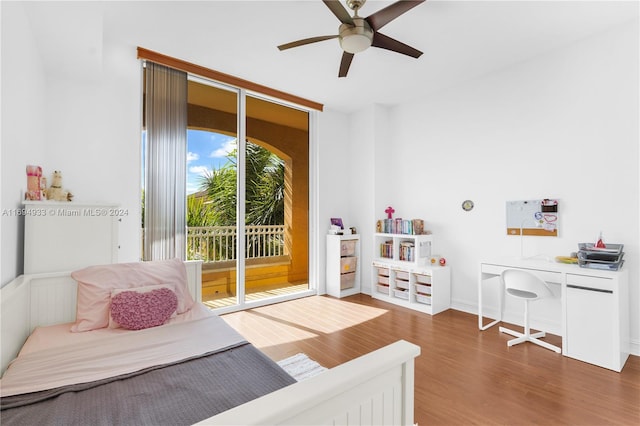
[
  {"x": 345, "y": 63},
  {"x": 385, "y": 42},
  {"x": 389, "y": 13},
  {"x": 338, "y": 9},
  {"x": 305, "y": 41}
]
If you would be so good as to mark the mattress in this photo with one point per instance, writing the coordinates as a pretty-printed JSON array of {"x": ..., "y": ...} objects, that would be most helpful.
[
  {"x": 60, "y": 335},
  {"x": 178, "y": 373}
]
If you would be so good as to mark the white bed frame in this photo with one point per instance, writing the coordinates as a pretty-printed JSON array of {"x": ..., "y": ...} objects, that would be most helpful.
[{"x": 374, "y": 389}]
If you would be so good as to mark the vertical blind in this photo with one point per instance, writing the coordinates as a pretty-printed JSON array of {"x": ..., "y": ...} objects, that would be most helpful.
[{"x": 165, "y": 162}]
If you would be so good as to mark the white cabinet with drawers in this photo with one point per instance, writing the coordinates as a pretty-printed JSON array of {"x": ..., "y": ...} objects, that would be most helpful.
[
  {"x": 422, "y": 288},
  {"x": 343, "y": 265},
  {"x": 597, "y": 319}
]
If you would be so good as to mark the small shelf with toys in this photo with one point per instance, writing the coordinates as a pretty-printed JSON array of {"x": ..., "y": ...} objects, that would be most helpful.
[{"x": 405, "y": 272}]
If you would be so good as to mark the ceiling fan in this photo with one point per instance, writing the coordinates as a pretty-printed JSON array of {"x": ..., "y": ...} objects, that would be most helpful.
[{"x": 357, "y": 34}]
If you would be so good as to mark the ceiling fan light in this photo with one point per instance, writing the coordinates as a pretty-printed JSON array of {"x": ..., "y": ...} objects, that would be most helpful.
[
  {"x": 355, "y": 43},
  {"x": 357, "y": 37}
]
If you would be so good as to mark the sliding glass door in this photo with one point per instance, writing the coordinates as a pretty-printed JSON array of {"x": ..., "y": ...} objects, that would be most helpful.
[{"x": 247, "y": 163}]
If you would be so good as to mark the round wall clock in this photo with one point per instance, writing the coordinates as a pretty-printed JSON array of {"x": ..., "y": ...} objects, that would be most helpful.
[{"x": 467, "y": 205}]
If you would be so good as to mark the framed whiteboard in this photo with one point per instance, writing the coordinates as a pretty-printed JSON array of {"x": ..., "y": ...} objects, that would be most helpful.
[{"x": 533, "y": 217}]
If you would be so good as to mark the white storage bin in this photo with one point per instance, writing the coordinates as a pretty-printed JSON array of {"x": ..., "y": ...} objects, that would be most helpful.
[
  {"x": 383, "y": 280},
  {"x": 423, "y": 299},
  {"x": 423, "y": 279},
  {"x": 402, "y": 275},
  {"x": 424, "y": 289},
  {"x": 384, "y": 289},
  {"x": 402, "y": 284},
  {"x": 384, "y": 272},
  {"x": 401, "y": 294}
]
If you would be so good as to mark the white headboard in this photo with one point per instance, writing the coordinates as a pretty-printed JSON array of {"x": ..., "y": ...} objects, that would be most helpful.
[{"x": 36, "y": 300}]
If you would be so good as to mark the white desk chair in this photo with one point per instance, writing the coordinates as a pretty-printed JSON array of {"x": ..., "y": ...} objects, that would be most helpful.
[{"x": 525, "y": 285}]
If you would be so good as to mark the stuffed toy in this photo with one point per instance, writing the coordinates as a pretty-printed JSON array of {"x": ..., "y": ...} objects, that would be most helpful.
[
  {"x": 55, "y": 191},
  {"x": 34, "y": 182}
]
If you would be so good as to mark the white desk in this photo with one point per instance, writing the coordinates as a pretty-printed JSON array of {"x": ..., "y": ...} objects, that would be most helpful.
[{"x": 595, "y": 307}]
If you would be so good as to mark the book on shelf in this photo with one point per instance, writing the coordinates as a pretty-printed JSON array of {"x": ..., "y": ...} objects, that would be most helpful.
[
  {"x": 386, "y": 249},
  {"x": 407, "y": 251},
  {"x": 418, "y": 226},
  {"x": 400, "y": 226}
]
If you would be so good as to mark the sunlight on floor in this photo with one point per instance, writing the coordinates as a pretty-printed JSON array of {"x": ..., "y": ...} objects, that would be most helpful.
[
  {"x": 304, "y": 319},
  {"x": 343, "y": 315}
]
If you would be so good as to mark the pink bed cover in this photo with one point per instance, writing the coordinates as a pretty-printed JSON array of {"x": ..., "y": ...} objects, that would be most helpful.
[{"x": 53, "y": 356}]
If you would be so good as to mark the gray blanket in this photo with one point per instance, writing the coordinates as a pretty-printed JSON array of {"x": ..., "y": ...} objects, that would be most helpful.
[{"x": 179, "y": 394}]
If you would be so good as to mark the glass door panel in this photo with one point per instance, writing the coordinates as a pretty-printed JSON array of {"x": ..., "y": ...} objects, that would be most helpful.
[
  {"x": 276, "y": 199},
  {"x": 212, "y": 234}
]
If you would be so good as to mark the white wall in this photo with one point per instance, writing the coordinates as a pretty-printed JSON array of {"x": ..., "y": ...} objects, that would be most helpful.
[
  {"x": 24, "y": 138},
  {"x": 361, "y": 151},
  {"x": 334, "y": 173},
  {"x": 564, "y": 125},
  {"x": 93, "y": 132}
]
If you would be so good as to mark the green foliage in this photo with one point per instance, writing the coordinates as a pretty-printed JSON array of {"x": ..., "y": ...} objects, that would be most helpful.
[
  {"x": 198, "y": 212},
  {"x": 264, "y": 189},
  {"x": 220, "y": 187}
]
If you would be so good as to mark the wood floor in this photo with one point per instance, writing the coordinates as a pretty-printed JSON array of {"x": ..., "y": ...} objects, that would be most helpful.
[{"x": 463, "y": 376}]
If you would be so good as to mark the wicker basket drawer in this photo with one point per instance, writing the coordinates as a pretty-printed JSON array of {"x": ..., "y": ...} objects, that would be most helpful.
[
  {"x": 347, "y": 280},
  {"x": 348, "y": 264},
  {"x": 347, "y": 248}
]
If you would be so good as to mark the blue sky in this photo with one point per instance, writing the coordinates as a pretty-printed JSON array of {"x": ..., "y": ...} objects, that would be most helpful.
[{"x": 205, "y": 151}]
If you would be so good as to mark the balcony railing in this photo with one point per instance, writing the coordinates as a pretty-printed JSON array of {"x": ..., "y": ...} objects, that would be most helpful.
[{"x": 219, "y": 243}]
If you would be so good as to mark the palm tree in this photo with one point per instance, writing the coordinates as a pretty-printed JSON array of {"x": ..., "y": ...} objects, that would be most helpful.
[
  {"x": 264, "y": 194},
  {"x": 199, "y": 213},
  {"x": 264, "y": 188}
]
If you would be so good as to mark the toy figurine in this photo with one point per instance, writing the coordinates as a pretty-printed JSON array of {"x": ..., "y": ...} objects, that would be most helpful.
[
  {"x": 389, "y": 211},
  {"x": 55, "y": 191},
  {"x": 34, "y": 176}
]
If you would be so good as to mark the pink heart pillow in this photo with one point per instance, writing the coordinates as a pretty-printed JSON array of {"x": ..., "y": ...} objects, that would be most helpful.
[
  {"x": 96, "y": 284},
  {"x": 135, "y": 311}
]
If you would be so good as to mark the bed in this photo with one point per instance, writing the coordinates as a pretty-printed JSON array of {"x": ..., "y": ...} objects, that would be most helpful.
[{"x": 168, "y": 374}]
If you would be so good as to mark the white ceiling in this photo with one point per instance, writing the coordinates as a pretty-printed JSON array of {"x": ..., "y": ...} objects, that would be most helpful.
[{"x": 461, "y": 40}]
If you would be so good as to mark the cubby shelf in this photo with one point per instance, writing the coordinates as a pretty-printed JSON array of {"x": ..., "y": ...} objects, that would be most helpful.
[
  {"x": 403, "y": 249},
  {"x": 410, "y": 280}
]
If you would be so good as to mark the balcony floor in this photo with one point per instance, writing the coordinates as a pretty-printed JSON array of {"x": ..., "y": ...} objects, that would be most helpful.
[{"x": 258, "y": 293}]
